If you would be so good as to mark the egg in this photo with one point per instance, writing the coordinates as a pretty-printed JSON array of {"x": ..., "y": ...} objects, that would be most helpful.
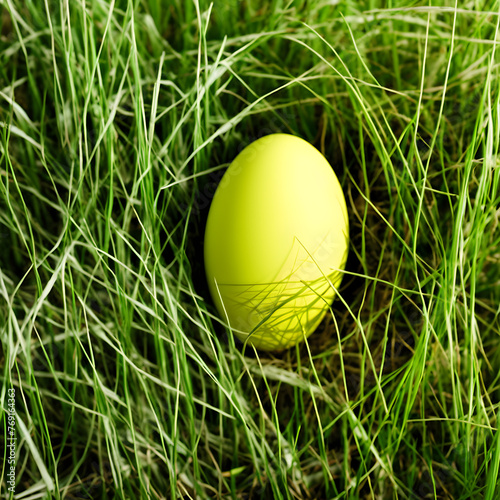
[{"x": 276, "y": 241}]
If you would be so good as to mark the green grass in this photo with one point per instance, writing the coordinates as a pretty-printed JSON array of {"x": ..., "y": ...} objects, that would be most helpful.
[{"x": 117, "y": 119}]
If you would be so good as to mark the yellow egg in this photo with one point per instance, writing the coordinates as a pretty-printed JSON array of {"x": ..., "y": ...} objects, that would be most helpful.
[{"x": 276, "y": 241}]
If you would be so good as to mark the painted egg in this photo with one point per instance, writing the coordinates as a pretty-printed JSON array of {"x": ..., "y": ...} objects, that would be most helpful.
[{"x": 276, "y": 241}]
